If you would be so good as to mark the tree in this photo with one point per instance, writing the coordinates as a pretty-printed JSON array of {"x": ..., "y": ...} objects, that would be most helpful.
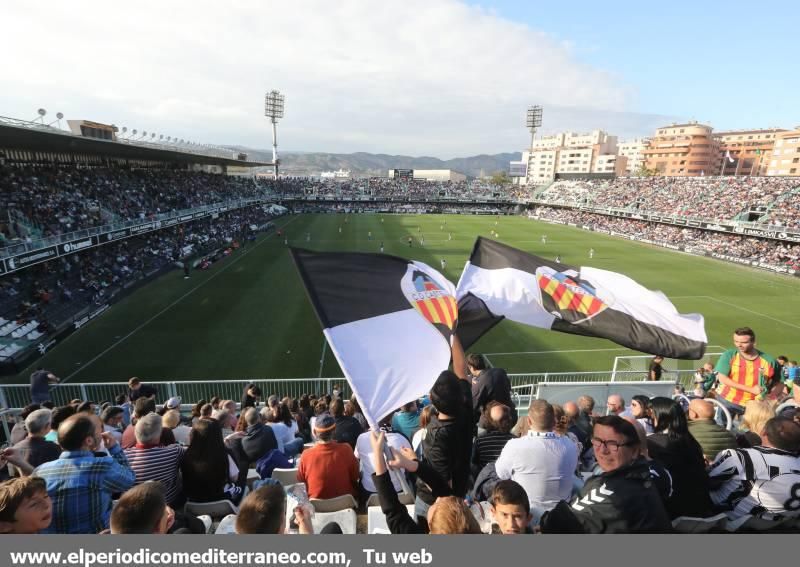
[
  {"x": 500, "y": 178},
  {"x": 644, "y": 172}
]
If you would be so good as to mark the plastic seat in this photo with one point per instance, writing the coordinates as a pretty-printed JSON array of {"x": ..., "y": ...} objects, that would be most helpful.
[
  {"x": 285, "y": 476},
  {"x": 217, "y": 509},
  {"x": 403, "y": 497},
  {"x": 343, "y": 502},
  {"x": 376, "y": 520},
  {"x": 346, "y": 519},
  {"x": 693, "y": 525}
]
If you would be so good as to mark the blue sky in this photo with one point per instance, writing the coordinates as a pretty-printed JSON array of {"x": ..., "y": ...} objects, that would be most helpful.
[
  {"x": 724, "y": 63},
  {"x": 441, "y": 78}
]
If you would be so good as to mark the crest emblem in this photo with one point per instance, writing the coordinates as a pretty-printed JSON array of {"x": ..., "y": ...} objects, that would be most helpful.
[
  {"x": 434, "y": 301},
  {"x": 567, "y": 297}
]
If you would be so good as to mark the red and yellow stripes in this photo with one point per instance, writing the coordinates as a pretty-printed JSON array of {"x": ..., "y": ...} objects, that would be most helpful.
[
  {"x": 747, "y": 373},
  {"x": 442, "y": 310},
  {"x": 566, "y": 299}
]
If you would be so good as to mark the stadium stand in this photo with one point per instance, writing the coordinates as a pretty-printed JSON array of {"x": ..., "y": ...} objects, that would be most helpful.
[{"x": 608, "y": 462}]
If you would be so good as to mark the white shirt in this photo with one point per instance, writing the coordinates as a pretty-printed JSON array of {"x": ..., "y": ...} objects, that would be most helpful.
[
  {"x": 363, "y": 453},
  {"x": 116, "y": 433},
  {"x": 181, "y": 433},
  {"x": 282, "y": 433},
  {"x": 543, "y": 463}
]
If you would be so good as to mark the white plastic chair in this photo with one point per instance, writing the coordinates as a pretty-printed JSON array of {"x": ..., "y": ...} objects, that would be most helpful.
[{"x": 285, "y": 476}]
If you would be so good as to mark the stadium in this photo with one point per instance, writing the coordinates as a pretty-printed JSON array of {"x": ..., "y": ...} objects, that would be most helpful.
[{"x": 173, "y": 264}]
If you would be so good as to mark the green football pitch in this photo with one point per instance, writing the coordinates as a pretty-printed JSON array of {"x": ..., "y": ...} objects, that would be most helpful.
[{"x": 249, "y": 316}]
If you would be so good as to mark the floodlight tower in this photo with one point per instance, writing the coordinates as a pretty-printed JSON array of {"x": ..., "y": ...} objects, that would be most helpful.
[
  {"x": 534, "y": 120},
  {"x": 273, "y": 109}
]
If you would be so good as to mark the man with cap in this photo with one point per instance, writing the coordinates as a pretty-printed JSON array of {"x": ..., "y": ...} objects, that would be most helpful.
[{"x": 329, "y": 469}]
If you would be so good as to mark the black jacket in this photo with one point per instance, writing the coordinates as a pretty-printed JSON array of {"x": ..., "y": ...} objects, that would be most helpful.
[
  {"x": 623, "y": 501},
  {"x": 447, "y": 449},
  {"x": 347, "y": 430},
  {"x": 257, "y": 442},
  {"x": 492, "y": 385},
  {"x": 685, "y": 463}
]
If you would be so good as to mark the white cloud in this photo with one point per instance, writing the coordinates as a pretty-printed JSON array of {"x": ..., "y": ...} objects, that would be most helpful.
[{"x": 417, "y": 77}]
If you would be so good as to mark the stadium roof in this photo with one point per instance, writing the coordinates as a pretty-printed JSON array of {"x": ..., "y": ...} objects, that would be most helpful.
[{"x": 21, "y": 135}]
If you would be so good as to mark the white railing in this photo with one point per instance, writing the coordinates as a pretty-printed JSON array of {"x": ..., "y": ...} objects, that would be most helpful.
[{"x": 192, "y": 391}]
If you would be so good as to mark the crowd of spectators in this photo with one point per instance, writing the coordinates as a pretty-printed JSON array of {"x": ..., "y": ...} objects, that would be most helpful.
[
  {"x": 391, "y": 188},
  {"x": 771, "y": 252},
  {"x": 710, "y": 198},
  {"x": 60, "y": 199},
  {"x": 123, "y": 467},
  {"x": 51, "y": 293}
]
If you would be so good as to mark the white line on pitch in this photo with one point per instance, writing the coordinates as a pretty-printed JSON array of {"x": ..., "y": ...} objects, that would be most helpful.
[
  {"x": 557, "y": 351},
  {"x": 168, "y": 307},
  {"x": 753, "y": 312}
]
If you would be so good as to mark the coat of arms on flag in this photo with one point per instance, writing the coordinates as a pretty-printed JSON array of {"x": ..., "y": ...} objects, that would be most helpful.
[
  {"x": 566, "y": 297},
  {"x": 431, "y": 300}
]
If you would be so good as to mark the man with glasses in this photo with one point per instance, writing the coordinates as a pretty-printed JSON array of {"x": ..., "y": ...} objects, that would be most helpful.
[{"x": 623, "y": 499}]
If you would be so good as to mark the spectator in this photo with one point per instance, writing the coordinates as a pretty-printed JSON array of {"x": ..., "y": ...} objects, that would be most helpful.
[
  {"x": 172, "y": 420},
  {"x": 328, "y": 469},
  {"x": 357, "y": 414},
  {"x": 250, "y": 396},
  {"x": 20, "y": 431},
  {"x": 447, "y": 445},
  {"x": 425, "y": 416},
  {"x": 655, "y": 369},
  {"x": 263, "y": 511},
  {"x": 572, "y": 413},
  {"x": 112, "y": 418},
  {"x": 281, "y": 422},
  {"x": 711, "y": 436},
  {"x": 623, "y": 499},
  {"x": 363, "y": 452},
  {"x": 142, "y": 407},
  {"x": 760, "y": 481},
  {"x": 174, "y": 403},
  {"x": 40, "y": 385},
  {"x": 25, "y": 507},
  {"x": 615, "y": 405},
  {"x": 744, "y": 372},
  {"x": 446, "y": 515},
  {"x": 256, "y": 443},
  {"x": 585, "y": 419},
  {"x": 152, "y": 461},
  {"x": 142, "y": 510},
  {"x": 59, "y": 415},
  {"x": 756, "y": 415},
  {"x": 489, "y": 384},
  {"x": 123, "y": 402},
  {"x": 488, "y": 447},
  {"x": 197, "y": 408},
  {"x": 406, "y": 421},
  {"x": 34, "y": 449},
  {"x": 640, "y": 410},
  {"x": 347, "y": 428},
  {"x": 672, "y": 445},
  {"x": 10, "y": 457},
  {"x": 79, "y": 482},
  {"x": 511, "y": 508},
  {"x": 542, "y": 462},
  {"x": 208, "y": 470},
  {"x": 139, "y": 390}
]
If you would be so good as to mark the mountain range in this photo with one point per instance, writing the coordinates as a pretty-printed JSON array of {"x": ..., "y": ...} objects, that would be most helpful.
[{"x": 362, "y": 164}]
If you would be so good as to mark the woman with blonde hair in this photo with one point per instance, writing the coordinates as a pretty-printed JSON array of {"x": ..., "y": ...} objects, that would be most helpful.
[{"x": 756, "y": 415}]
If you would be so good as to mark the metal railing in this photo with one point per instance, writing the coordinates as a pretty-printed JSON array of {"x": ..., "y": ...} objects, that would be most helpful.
[{"x": 191, "y": 391}]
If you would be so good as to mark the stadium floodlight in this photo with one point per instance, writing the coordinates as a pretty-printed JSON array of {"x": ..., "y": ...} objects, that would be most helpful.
[
  {"x": 534, "y": 120},
  {"x": 273, "y": 109},
  {"x": 42, "y": 113}
]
